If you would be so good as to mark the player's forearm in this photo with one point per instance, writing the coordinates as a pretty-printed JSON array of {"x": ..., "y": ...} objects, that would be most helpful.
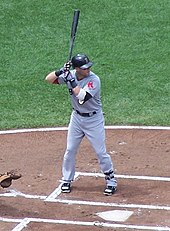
[
  {"x": 76, "y": 90},
  {"x": 51, "y": 77}
]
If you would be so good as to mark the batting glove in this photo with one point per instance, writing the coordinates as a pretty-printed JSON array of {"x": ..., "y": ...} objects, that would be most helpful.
[
  {"x": 71, "y": 79},
  {"x": 67, "y": 66}
]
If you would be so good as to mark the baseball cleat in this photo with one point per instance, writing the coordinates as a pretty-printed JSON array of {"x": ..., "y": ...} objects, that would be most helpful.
[
  {"x": 109, "y": 190},
  {"x": 66, "y": 188}
]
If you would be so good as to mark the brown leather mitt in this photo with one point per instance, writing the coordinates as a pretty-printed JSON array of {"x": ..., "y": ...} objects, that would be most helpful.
[{"x": 6, "y": 178}]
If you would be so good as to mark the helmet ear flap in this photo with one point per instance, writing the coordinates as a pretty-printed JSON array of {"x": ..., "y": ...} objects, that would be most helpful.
[{"x": 81, "y": 61}]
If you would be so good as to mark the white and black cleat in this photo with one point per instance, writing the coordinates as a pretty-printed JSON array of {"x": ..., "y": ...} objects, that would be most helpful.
[
  {"x": 109, "y": 190},
  {"x": 66, "y": 188}
]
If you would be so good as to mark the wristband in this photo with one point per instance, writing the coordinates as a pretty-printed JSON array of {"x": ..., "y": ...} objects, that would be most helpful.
[
  {"x": 73, "y": 83},
  {"x": 58, "y": 72}
]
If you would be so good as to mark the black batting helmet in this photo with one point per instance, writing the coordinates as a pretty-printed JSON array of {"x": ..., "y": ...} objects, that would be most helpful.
[{"x": 81, "y": 61}]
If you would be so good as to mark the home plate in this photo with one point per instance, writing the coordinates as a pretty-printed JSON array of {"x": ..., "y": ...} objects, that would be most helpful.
[{"x": 115, "y": 215}]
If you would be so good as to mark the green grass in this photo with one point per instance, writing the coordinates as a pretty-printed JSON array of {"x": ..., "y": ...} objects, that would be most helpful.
[{"x": 128, "y": 41}]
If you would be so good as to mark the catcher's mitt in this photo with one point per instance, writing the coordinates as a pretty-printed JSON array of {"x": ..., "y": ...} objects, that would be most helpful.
[{"x": 6, "y": 178}]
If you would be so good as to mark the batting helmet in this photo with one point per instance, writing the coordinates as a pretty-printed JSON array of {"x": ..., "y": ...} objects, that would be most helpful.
[{"x": 81, "y": 61}]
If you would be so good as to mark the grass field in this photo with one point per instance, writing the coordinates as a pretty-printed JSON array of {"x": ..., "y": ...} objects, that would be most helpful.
[{"x": 128, "y": 40}]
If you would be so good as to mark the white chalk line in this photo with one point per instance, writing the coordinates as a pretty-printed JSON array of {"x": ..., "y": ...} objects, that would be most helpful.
[
  {"x": 53, "y": 196},
  {"x": 120, "y": 205},
  {"x": 10, "y": 220},
  {"x": 14, "y": 193},
  {"x": 66, "y": 128},
  {"x": 57, "y": 191},
  {"x": 127, "y": 176},
  {"x": 23, "y": 223}
]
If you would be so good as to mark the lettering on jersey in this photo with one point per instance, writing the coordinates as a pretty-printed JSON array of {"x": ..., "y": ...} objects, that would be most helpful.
[{"x": 90, "y": 85}]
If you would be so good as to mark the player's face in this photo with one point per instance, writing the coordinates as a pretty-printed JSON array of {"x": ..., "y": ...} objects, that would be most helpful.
[{"x": 82, "y": 73}]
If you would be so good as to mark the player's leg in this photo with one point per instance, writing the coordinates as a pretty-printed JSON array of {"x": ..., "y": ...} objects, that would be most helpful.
[
  {"x": 96, "y": 136},
  {"x": 74, "y": 137}
]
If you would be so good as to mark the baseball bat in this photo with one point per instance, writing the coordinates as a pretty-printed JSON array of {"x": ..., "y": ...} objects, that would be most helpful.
[{"x": 73, "y": 32}]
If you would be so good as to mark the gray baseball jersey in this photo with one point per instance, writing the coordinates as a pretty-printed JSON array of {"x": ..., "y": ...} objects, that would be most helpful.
[{"x": 91, "y": 84}]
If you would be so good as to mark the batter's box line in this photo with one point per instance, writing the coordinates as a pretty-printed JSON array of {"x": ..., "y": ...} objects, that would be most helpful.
[
  {"x": 154, "y": 178},
  {"x": 24, "y": 223},
  {"x": 78, "y": 202},
  {"x": 57, "y": 191},
  {"x": 53, "y": 196}
]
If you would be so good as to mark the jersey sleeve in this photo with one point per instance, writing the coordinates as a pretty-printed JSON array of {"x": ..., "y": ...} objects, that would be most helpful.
[{"x": 92, "y": 86}]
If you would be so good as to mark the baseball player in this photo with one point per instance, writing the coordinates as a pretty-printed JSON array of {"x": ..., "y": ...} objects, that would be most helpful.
[{"x": 86, "y": 119}]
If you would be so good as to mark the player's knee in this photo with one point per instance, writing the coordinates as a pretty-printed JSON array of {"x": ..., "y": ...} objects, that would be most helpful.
[{"x": 69, "y": 154}]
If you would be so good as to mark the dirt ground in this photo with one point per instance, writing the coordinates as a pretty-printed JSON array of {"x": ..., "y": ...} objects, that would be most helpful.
[{"x": 38, "y": 157}]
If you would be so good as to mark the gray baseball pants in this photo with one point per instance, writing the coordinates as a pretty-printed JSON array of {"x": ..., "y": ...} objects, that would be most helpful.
[{"x": 93, "y": 128}]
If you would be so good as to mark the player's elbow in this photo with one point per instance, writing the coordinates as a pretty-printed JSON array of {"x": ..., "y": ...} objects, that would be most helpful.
[
  {"x": 51, "y": 77},
  {"x": 47, "y": 79}
]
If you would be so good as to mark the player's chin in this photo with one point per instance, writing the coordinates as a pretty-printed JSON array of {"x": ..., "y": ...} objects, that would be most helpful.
[{"x": 86, "y": 72}]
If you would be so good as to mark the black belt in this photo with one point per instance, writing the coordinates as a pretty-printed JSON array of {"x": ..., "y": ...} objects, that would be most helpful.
[{"x": 86, "y": 114}]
